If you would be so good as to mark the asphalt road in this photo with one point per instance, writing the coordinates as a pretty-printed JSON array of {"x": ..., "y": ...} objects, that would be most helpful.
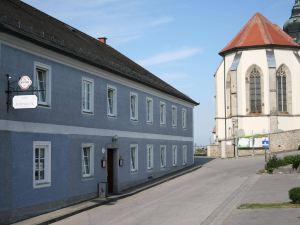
[{"x": 205, "y": 196}]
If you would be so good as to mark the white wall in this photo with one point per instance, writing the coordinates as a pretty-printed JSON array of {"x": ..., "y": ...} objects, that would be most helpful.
[{"x": 260, "y": 124}]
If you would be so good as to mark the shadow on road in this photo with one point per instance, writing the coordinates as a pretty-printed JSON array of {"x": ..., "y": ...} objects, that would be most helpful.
[{"x": 201, "y": 160}]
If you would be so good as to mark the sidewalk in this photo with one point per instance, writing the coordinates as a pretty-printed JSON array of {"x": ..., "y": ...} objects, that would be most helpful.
[
  {"x": 66, "y": 212},
  {"x": 268, "y": 189}
]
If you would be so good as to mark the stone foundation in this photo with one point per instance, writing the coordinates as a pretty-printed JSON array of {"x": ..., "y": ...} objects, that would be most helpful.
[
  {"x": 285, "y": 141},
  {"x": 214, "y": 151},
  {"x": 279, "y": 142}
]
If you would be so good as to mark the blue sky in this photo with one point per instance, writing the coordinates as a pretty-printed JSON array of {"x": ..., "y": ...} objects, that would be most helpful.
[{"x": 178, "y": 41}]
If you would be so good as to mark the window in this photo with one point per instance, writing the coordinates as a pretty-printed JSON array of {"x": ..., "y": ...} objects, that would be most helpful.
[
  {"x": 255, "y": 91},
  {"x": 281, "y": 90},
  {"x": 174, "y": 116},
  {"x": 149, "y": 157},
  {"x": 87, "y": 95},
  {"x": 163, "y": 156},
  {"x": 174, "y": 155},
  {"x": 111, "y": 101},
  {"x": 184, "y": 155},
  {"x": 134, "y": 158},
  {"x": 87, "y": 160},
  {"x": 184, "y": 118},
  {"x": 149, "y": 110},
  {"x": 133, "y": 106},
  {"x": 42, "y": 79},
  {"x": 162, "y": 113},
  {"x": 41, "y": 164}
]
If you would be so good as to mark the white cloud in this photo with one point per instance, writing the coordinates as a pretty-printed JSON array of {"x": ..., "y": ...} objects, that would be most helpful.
[
  {"x": 170, "y": 56},
  {"x": 161, "y": 21},
  {"x": 173, "y": 76},
  {"x": 102, "y": 17}
]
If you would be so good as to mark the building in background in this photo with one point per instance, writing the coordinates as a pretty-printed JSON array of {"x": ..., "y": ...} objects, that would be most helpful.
[
  {"x": 258, "y": 84},
  {"x": 101, "y": 118}
]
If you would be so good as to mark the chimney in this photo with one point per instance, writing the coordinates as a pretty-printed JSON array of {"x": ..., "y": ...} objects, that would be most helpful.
[{"x": 102, "y": 39}]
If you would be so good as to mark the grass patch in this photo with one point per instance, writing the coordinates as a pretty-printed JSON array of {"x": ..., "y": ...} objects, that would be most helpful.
[{"x": 282, "y": 205}]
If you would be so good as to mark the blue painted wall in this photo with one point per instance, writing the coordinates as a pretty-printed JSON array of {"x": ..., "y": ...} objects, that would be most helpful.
[
  {"x": 66, "y": 99},
  {"x": 16, "y": 149}
]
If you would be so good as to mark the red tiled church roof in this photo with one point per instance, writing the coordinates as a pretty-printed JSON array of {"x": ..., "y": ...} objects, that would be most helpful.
[{"x": 259, "y": 31}]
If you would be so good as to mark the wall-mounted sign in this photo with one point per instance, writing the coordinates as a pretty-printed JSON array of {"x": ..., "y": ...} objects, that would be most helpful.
[
  {"x": 24, "y": 82},
  {"x": 25, "y": 102}
]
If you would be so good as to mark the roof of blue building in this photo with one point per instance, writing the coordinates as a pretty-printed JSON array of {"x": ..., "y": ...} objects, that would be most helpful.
[{"x": 22, "y": 20}]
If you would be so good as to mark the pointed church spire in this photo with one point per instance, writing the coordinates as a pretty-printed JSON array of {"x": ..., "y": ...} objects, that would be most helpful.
[{"x": 259, "y": 32}]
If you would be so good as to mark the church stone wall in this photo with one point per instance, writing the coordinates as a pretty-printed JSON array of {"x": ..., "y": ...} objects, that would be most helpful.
[
  {"x": 214, "y": 151},
  {"x": 285, "y": 141}
]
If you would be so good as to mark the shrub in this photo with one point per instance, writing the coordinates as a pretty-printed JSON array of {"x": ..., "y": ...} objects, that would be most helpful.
[
  {"x": 270, "y": 170},
  {"x": 294, "y": 195},
  {"x": 292, "y": 159},
  {"x": 274, "y": 163},
  {"x": 299, "y": 147}
]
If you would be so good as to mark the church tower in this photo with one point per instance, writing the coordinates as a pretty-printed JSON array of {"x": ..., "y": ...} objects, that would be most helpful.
[
  {"x": 292, "y": 26},
  {"x": 258, "y": 83}
]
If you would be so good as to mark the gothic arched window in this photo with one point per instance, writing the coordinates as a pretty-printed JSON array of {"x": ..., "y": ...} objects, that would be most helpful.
[
  {"x": 255, "y": 91},
  {"x": 281, "y": 89}
]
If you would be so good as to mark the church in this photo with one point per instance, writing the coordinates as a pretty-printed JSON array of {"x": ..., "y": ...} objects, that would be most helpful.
[{"x": 258, "y": 84}]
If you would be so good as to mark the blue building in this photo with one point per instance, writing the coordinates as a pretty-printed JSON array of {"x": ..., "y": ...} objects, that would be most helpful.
[{"x": 101, "y": 118}]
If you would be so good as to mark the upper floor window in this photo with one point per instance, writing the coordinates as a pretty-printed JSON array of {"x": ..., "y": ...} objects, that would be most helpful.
[
  {"x": 184, "y": 118},
  {"x": 163, "y": 156},
  {"x": 134, "y": 158},
  {"x": 133, "y": 106},
  {"x": 87, "y": 160},
  {"x": 174, "y": 116},
  {"x": 41, "y": 164},
  {"x": 42, "y": 78},
  {"x": 87, "y": 95},
  {"x": 149, "y": 110},
  {"x": 149, "y": 157},
  {"x": 111, "y": 101},
  {"x": 281, "y": 78},
  {"x": 162, "y": 113},
  {"x": 255, "y": 91}
]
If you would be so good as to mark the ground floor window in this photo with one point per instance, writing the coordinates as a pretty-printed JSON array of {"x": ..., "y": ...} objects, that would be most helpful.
[
  {"x": 174, "y": 155},
  {"x": 163, "y": 156},
  {"x": 134, "y": 158},
  {"x": 149, "y": 157},
  {"x": 87, "y": 160},
  {"x": 41, "y": 164},
  {"x": 184, "y": 155}
]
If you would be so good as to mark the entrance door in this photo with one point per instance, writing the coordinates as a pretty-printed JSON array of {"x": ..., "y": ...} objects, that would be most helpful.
[{"x": 110, "y": 170}]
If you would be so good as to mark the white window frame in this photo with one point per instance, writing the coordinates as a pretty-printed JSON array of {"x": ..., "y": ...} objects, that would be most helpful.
[
  {"x": 162, "y": 114},
  {"x": 174, "y": 116},
  {"x": 184, "y": 118},
  {"x": 85, "y": 110},
  {"x": 48, "y": 70},
  {"x": 136, "y": 163},
  {"x": 47, "y": 163},
  {"x": 92, "y": 160},
  {"x": 136, "y": 106},
  {"x": 174, "y": 155},
  {"x": 163, "y": 164},
  {"x": 149, "y": 110},
  {"x": 184, "y": 155},
  {"x": 150, "y": 154},
  {"x": 115, "y": 97}
]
